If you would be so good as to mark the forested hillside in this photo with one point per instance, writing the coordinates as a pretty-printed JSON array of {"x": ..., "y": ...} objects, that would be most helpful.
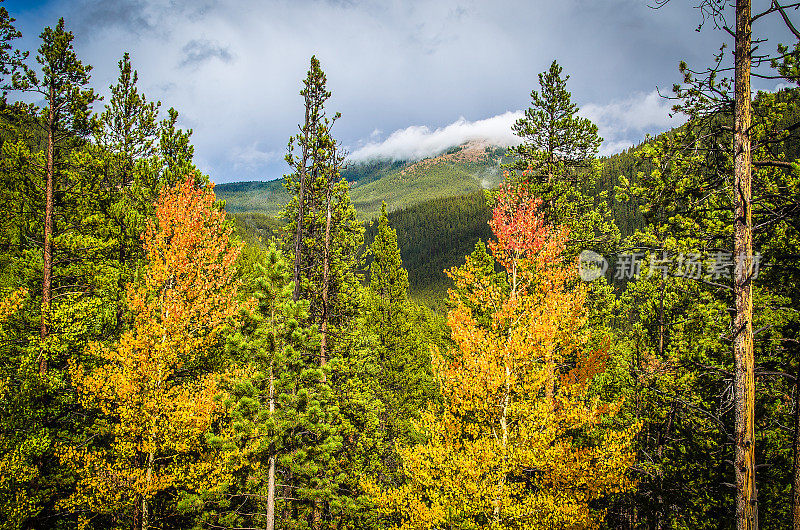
[
  {"x": 401, "y": 184},
  {"x": 501, "y": 339},
  {"x": 434, "y": 236}
]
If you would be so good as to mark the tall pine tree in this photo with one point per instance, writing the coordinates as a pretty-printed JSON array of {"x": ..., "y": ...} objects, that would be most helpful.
[
  {"x": 323, "y": 236},
  {"x": 406, "y": 381},
  {"x": 556, "y": 161}
]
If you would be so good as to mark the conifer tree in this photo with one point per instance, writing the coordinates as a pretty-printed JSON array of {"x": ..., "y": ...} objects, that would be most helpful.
[
  {"x": 128, "y": 134},
  {"x": 323, "y": 236},
  {"x": 262, "y": 400},
  {"x": 556, "y": 161},
  {"x": 556, "y": 142},
  {"x": 406, "y": 382},
  {"x": 175, "y": 152},
  {"x": 688, "y": 205},
  {"x": 66, "y": 117},
  {"x": 128, "y": 127},
  {"x": 723, "y": 155},
  {"x": 388, "y": 281},
  {"x": 10, "y": 58},
  {"x": 59, "y": 234}
]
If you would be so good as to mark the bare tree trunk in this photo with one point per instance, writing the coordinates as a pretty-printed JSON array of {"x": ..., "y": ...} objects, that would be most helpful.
[
  {"x": 742, "y": 285},
  {"x": 796, "y": 469},
  {"x": 47, "y": 272},
  {"x": 504, "y": 438},
  {"x": 325, "y": 285},
  {"x": 271, "y": 476}
]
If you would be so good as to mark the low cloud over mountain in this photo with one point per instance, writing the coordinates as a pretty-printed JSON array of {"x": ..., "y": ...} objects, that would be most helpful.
[
  {"x": 418, "y": 141},
  {"x": 621, "y": 123}
]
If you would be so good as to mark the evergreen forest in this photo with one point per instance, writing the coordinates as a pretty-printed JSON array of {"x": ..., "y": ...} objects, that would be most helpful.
[{"x": 538, "y": 337}]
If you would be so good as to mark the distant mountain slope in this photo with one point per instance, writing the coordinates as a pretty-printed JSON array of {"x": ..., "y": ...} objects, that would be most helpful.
[
  {"x": 459, "y": 171},
  {"x": 254, "y": 196},
  {"x": 435, "y": 235}
]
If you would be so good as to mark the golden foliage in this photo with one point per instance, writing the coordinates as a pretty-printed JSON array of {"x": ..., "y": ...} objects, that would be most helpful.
[
  {"x": 519, "y": 441},
  {"x": 153, "y": 392}
]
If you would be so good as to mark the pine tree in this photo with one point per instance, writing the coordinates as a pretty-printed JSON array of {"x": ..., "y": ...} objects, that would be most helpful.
[
  {"x": 556, "y": 142},
  {"x": 324, "y": 238},
  {"x": 66, "y": 117},
  {"x": 406, "y": 381},
  {"x": 10, "y": 58},
  {"x": 128, "y": 126},
  {"x": 388, "y": 283},
  {"x": 128, "y": 134},
  {"x": 556, "y": 161},
  {"x": 262, "y": 400},
  {"x": 687, "y": 202},
  {"x": 175, "y": 152},
  {"x": 58, "y": 253}
]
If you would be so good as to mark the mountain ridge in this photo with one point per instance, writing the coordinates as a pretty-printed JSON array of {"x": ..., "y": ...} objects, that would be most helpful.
[{"x": 459, "y": 170}]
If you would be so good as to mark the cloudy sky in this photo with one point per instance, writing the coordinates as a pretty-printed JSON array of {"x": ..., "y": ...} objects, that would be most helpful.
[{"x": 409, "y": 77}]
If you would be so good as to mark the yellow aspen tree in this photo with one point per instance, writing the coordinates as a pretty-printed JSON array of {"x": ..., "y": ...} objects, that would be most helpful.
[
  {"x": 154, "y": 391},
  {"x": 519, "y": 441}
]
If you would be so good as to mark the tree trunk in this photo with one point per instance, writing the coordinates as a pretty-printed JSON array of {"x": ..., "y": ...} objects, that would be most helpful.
[
  {"x": 149, "y": 477},
  {"x": 47, "y": 272},
  {"x": 271, "y": 479},
  {"x": 742, "y": 284},
  {"x": 325, "y": 285},
  {"x": 298, "y": 237},
  {"x": 796, "y": 470},
  {"x": 504, "y": 429}
]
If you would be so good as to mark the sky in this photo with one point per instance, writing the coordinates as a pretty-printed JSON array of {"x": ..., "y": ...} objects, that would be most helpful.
[{"x": 411, "y": 78}]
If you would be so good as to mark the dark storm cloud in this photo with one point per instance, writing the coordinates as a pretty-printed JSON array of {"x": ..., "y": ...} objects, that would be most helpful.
[
  {"x": 198, "y": 51},
  {"x": 128, "y": 15}
]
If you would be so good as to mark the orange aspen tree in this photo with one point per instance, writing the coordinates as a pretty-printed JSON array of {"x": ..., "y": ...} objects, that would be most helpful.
[
  {"x": 519, "y": 441},
  {"x": 154, "y": 390}
]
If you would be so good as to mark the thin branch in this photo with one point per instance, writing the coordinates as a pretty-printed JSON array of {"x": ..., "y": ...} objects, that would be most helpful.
[{"x": 786, "y": 19}]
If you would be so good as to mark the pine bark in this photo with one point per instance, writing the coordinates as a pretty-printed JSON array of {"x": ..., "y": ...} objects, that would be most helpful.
[
  {"x": 796, "y": 469},
  {"x": 743, "y": 253},
  {"x": 325, "y": 285},
  {"x": 47, "y": 272}
]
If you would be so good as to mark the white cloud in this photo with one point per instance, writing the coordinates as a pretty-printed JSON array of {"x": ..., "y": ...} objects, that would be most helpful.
[
  {"x": 625, "y": 122},
  {"x": 621, "y": 123},
  {"x": 780, "y": 86},
  {"x": 638, "y": 111},
  {"x": 418, "y": 141}
]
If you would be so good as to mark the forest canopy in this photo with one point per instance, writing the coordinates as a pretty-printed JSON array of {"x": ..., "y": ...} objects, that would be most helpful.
[{"x": 589, "y": 342}]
